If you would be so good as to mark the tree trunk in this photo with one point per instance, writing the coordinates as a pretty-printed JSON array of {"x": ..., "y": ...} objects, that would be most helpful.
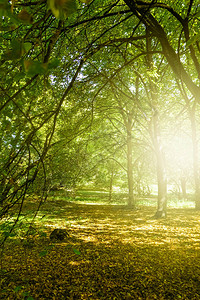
[
  {"x": 183, "y": 187},
  {"x": 161, "y": 176},
  {"x": 155, "y": 135},
  {"x": 162, "y": 189},
  {"x": 127, "y": 114},
  {"x": 111, "y": 186},
  {"x": 195, "y": 160},
  {"x": 131, "y": 198}
]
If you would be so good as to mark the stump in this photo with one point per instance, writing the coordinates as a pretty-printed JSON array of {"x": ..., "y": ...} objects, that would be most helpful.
[{"x": 58, "y": 234}]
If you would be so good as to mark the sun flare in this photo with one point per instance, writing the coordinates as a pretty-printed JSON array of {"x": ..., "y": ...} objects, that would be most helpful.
[{"x": 179, "y": 151}]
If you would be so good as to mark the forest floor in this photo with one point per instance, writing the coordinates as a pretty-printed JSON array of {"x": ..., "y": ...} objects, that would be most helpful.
[{"x": 112, "y": 252}]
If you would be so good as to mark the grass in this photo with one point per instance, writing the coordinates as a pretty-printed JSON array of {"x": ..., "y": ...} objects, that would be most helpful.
[
  {"x": 102, "y": 197},
  {"x": 112, "y": 252}
]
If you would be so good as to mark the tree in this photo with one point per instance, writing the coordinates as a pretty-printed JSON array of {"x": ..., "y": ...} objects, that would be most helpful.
[
  {"x": 28, "y": 117},
  {"x": 47, "y": 49},
  {"x": 155, "y": 134},
  {"x": 186, "y": 18}
]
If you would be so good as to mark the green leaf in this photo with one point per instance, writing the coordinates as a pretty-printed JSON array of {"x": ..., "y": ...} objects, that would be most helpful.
[
  {"x": 18, "y": 288},
  {"x": 3, "y": 2},
  {"x": 86, "y": 1},
  {"x": 19, "y": 76},
  {"x": 50, "y": 247},
  {"x": 68, "y": 246},
  {"x": 27, "y": 297},
  {"x": 76, "y": 251},
  {"x": 43, "y": 253},
  {"x": 34, "y": 67},
  {"x": 5, "y": 8},
  {"x": 7, "y": 125},
  {"x": 53, "y": 64},
  {"x": 43, "y": 234},
  {"x": 9, "y": 234},
  {"x": 197, "y": 14},
  {"x": 27, "y": 46},
  {"x": 14, "y": 52},
  {"x": 62, "y": 9},
  {"x": 7, "y": 28}
]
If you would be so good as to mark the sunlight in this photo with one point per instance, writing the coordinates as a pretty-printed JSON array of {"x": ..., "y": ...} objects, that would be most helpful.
[{"x": 179, "y": 151}]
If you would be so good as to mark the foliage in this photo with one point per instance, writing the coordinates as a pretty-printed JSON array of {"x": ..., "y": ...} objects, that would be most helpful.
[{"x": 76, "y": 74}]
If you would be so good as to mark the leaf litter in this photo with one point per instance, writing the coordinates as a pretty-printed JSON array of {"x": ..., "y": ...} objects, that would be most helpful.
[{"x": 111, "y": 253}]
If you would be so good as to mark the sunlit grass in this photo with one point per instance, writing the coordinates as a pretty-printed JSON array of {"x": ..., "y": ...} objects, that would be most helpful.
[{"x": 119, "y": 198}]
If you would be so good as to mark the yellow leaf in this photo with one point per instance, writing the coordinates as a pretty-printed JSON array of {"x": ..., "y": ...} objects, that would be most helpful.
[
  {"x": 27, "y": 64},
  {"x": 86, "y": 1},
  {"x": 25, "y": 17}
]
